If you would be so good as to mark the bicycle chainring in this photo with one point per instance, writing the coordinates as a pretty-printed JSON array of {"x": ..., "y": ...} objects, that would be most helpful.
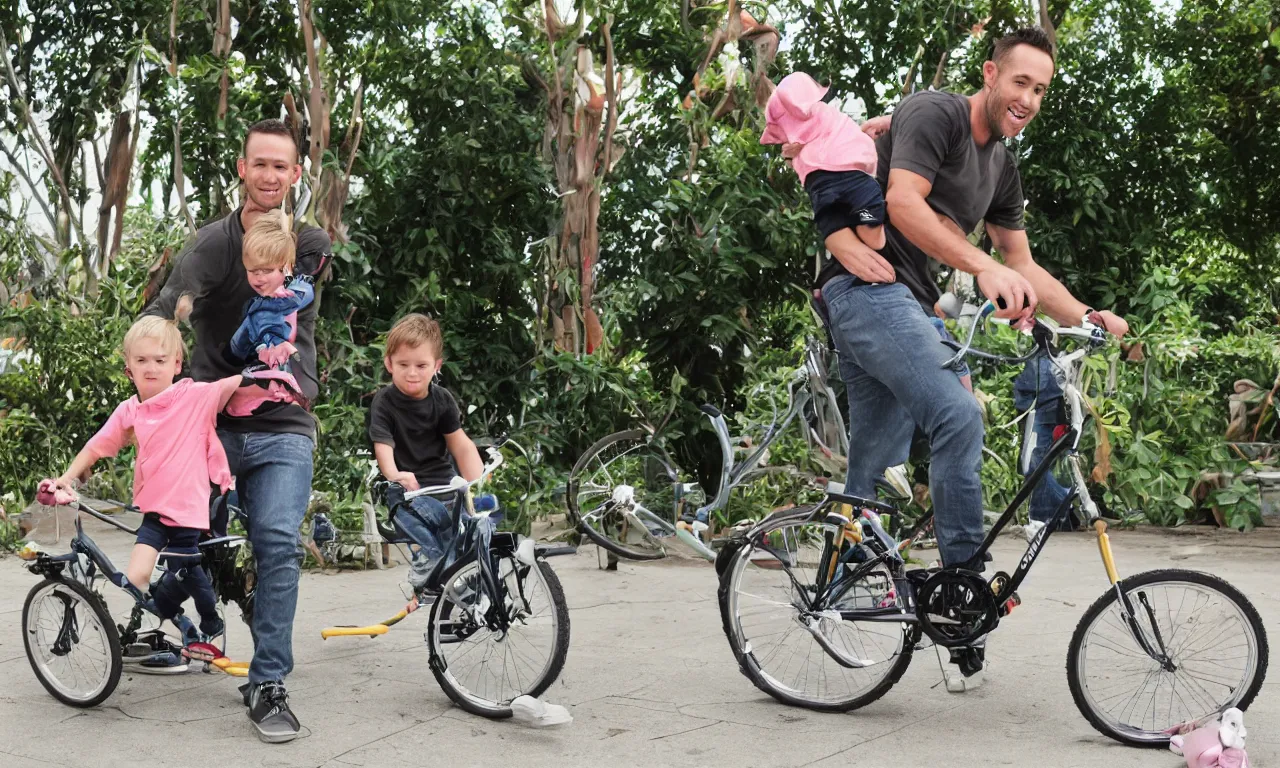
[{"x": 956, "y": 607}]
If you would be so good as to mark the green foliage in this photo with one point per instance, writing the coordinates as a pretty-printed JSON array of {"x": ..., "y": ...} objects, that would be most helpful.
[{"x": 1150, "y": 173}]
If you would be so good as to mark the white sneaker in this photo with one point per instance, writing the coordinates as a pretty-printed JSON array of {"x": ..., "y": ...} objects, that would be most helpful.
[
  {"x": 1031, "y": 529},
  {"x": 958, "y": 683},
  {"x": 537, "y": 713}
]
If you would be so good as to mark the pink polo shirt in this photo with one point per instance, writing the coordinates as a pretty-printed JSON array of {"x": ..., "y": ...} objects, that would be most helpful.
[
  {"x": 832, "y": 140},
  {"x": 178, "y": 451}
]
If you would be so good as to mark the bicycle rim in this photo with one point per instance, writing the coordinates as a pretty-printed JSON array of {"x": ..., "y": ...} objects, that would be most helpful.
[
  {"x": 73, "y": 652},
  {"x": 1212, "y": 635},
  {"x": 789, "y": 651},
  {"x": 482, "y": 668},
  {"x": 631, "y": 459}
]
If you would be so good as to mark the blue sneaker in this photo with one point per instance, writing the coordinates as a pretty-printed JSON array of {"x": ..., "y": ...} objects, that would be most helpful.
[{"x": 154, "y": 655}]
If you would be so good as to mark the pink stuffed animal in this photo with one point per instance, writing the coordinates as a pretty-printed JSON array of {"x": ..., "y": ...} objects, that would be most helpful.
[{"x": 1219, "y": 744}]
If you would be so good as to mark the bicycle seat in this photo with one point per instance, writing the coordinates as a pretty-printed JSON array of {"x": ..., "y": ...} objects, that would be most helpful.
[{"x": 710, "y": 410}]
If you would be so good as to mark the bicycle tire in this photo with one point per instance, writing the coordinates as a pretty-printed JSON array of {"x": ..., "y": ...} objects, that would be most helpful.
[
  {"x": 560, "y": 652},
  {"x": 114, "y": 659},
  {"x": 575, "y": 514},
  {"x": 736, "y": 562},
  {"x": 1166, "y": 575}
]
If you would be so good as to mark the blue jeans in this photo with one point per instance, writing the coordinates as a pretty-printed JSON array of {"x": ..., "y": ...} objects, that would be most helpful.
[
  {"x": 891, "y": 361},
  {"x": 273, "y": 482},
  {"x": 425, "y": 520},
  {"x": 1036, "y": 386}
]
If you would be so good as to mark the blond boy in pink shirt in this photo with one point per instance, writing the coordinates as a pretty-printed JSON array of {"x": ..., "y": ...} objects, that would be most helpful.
[
  {"x": 179, "y": 455},
  {"x": 836, "y": 165}
]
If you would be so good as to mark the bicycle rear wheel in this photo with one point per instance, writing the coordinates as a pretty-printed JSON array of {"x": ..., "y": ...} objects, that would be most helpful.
[
  {"x": 637, "y": 528},
  {"x": 805, "y": 658},
  {"x": 1214, "y": 639},
  {"x": 483, "y": 668}
]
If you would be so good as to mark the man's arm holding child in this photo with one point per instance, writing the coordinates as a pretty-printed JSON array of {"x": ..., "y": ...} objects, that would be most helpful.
[{"x": 465, "y": 454}]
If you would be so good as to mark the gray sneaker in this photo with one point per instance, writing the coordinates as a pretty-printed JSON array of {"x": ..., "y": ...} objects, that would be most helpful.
[
  {"x": 270, "y": 714},
  {"x": 419, "y": 570}
]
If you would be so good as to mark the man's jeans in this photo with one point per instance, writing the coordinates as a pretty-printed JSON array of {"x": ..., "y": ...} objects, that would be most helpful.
[
  {"x": 424, "y": 519},
  {"x": 891, "y": 361},
  {"x": 273, "y": 481},
  {"x": 1037, "y": 386}
]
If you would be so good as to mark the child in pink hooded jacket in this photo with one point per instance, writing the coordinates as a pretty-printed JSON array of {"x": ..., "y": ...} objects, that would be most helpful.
[{"x": 837, "y": 165}]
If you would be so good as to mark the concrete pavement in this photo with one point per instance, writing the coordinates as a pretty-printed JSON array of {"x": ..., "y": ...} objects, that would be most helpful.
[{"x": 650, "y": 681}]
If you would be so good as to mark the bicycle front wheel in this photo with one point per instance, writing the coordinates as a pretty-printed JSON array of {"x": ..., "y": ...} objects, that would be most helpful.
[
  {"x": 637, "y": 528},
  {"x": 804, "y": 656},
  {"x": 71, "y": 642},
  {"x": 483, "y": 667},
  {"x": 1213, "y": 639}
]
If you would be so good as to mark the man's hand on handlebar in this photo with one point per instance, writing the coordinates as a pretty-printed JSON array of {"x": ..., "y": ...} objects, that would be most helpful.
[
  {"x": 1012, "y": 294},
  {"x": 1109, "y": 322}
]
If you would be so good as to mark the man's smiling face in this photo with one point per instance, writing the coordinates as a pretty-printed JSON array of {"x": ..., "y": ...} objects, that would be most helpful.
[{"x": 1017, "y": 84}]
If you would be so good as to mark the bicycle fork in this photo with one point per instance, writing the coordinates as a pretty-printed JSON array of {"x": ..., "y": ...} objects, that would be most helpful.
[{"x": 1128, "y": 613}]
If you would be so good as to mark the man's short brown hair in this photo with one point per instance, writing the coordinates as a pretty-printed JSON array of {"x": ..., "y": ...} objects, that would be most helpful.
[
  {"x": 272, "y": 127},
  {"x": 1032, "y": 36},
  {"x": 414, "y": 330}
]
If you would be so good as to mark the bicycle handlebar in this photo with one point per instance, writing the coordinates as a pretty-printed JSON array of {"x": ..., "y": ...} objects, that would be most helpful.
[
  {"x": 1044, "y": 334},
  {"x": 458, "y": 485}
]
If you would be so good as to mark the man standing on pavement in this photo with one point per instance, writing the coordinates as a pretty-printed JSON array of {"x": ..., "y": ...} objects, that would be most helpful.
[
  {"x": 269, "y": 453},
  {"x": 944, "y": 168}
]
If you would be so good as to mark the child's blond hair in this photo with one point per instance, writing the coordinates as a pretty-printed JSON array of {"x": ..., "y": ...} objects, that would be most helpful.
[
  {"x": 165, "y": 330},
  {"x": 270, "y": 242},
  {"x": 414, "y": 330}
]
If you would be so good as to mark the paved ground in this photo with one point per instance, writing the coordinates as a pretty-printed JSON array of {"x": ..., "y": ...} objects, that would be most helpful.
[{"x": 650, "y": 681}]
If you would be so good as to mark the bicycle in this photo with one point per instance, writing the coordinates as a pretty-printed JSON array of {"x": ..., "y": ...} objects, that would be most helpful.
[
  {"x": 831, "y": 574},
  {"x": 624, "y": 492},
  {"x": 66, "y": 613},
  {"x": 490, "y": 590}
]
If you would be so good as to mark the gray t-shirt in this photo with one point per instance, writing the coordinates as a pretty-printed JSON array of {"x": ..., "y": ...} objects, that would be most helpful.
[{"x": 930, "y": 135}]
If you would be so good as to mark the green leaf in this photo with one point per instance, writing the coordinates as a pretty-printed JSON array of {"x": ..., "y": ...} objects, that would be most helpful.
[{"x": 1183, "y": 502}]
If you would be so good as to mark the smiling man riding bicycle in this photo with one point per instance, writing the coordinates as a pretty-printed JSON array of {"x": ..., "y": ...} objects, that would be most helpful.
[{"x": 944, "y": 169}]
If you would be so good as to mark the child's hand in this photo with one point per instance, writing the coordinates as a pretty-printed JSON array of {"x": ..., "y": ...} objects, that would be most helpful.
[
  {"x": 876, "y": 126},
  {"x": 277, "y": 355},
  {"x": 55, "y": 492},
  {"x": 791, "y": 149},
  {"x": 407, "y": 480}
]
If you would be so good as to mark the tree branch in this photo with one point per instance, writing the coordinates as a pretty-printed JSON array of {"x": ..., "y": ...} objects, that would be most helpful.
[
  {"x": 35, "y": 190},
  {"x": 1047, "y": 24},
  {"x": 178, "y": 179},
  {"x": 611, "y": 99},
  {"x": 46, "y": 154}
]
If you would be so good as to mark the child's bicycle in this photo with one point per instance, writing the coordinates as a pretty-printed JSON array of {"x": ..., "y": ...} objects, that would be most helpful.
[
  {"x": 821, "y": 612},
  {"x": 75, "y": 648},
  {"x": 498, "y": 627}
]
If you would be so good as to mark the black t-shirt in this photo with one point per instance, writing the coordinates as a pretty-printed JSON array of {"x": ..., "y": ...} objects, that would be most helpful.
[
  {"x": 415, "y": 429},
  {"x": 211, "y": 269},
  {"x": 931, "y": 135}
]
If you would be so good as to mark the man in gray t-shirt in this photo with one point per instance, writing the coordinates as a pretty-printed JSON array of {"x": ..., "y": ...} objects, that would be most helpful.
[{"x": 943, "y": 168}]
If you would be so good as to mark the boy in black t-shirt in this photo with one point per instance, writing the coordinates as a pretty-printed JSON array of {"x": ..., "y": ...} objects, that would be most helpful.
[{"x": 415, "y": 427}]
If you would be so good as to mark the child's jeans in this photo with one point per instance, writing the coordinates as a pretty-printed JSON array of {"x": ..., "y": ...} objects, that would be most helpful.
[
  {"x": 424, "y": 519},
  {"x": 195, "y": 582}
]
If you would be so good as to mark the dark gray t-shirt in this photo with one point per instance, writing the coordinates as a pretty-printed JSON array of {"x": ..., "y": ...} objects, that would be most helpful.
[
  {"x": 930, "y": 135},
  {"x": 415, "y": 430},
  {"x": 211, "y": 269}
]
